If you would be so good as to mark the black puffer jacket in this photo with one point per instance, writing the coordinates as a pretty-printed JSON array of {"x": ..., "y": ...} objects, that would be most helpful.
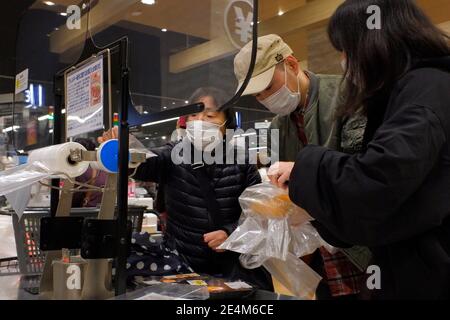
[
  {"x": 187, "y": 215},
  {"x": 394, "y": 197}
]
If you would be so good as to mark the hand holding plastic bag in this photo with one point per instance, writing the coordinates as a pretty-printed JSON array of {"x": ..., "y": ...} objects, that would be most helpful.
[{"x": 275, "y": 233}]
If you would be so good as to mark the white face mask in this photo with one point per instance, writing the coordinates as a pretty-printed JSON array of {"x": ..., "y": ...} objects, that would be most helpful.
[
  {"x": 203, "y": 134},
  {"x": 284, "y": 101}
]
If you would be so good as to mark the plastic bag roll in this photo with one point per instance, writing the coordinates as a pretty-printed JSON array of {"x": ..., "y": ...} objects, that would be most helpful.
[
  {"x": 56, "y": 159},
  {"x": 45, "y": 163}
]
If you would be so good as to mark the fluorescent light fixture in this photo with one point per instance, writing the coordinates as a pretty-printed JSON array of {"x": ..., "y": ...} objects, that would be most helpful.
[
  {"x": 43, "y": 118},
  {"x": 9, "y": 129},
  {"x": 49, "y": 3},
  {"x": 149, "y": 2},
  {"x": 161, "y": 121},
  {"x": 40, "y": 95}
]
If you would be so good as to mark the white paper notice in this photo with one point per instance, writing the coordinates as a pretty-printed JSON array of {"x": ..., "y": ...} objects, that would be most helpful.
[
  {"x": 85, "y": 99},
  {"x": 22, "y": 81}
]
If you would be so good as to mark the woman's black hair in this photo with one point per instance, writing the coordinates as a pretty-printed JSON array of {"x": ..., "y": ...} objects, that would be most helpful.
[
  {"x": 377, "y": 58},
  {"x": 220, "y": 98}
]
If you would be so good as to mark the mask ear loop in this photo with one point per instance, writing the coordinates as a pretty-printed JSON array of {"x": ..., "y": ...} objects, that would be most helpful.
[
  {"x": 285, "y": 80},
  {"x": 285, "y": 75}
]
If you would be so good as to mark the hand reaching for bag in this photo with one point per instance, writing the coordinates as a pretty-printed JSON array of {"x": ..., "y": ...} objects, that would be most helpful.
[
  {"x": 215, "y": 239},
  {"x": 109, "y": 135}
]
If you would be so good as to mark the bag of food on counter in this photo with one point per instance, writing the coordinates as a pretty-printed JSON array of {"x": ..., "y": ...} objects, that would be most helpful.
[{"x": 273, "y": 232}]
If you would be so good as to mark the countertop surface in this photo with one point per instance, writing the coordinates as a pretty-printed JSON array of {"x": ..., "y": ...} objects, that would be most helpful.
[{"x": 18, "y": 287}]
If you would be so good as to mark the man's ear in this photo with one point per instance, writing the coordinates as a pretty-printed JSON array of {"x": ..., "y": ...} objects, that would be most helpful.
[{"x": 293, "y": 64}]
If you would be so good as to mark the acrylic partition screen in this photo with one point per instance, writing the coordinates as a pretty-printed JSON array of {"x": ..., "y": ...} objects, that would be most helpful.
[{"x": 175, "y": 48}]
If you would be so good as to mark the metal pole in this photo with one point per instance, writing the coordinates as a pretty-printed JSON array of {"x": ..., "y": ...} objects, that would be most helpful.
[
  {"x": 57, "y": 138},
  {"x": 122, "y": 193}
]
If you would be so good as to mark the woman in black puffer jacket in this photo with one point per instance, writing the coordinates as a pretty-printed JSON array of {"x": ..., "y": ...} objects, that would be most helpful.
[{"x": 192, "y": 228}]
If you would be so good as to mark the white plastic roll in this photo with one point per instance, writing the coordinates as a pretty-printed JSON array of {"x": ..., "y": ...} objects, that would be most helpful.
[
  {"x": 42, "y": 164},
  {"x": 56, "y": 159}
]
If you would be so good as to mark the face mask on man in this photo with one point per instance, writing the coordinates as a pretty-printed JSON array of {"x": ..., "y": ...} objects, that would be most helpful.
[
  {"x": 204, "y": 134},
  {"x": 284, "y": 101}
]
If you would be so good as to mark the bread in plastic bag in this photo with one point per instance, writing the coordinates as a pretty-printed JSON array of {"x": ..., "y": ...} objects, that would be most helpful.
[{"x": 273, "y": 232}]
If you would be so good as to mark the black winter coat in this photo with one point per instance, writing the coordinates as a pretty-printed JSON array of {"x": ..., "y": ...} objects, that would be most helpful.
[
  {"x": 188, "y": 218},
  {"x": 395, "y": 196}
]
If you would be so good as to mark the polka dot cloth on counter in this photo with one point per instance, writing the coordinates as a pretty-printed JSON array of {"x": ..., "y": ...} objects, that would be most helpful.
[{"x": 152, "y": 257}]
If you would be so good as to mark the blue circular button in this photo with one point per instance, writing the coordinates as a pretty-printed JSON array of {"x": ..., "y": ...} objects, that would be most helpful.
[{"x": 109, "y": 156}]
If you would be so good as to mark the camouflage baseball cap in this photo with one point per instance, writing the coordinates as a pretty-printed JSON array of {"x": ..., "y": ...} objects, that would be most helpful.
[{"x": 271, "y": 51}]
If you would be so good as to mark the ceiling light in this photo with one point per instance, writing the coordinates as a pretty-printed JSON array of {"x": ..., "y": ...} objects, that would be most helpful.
[
  {"x": 149, "y": 2},
  {"x": 64, "y": 14},
  {"x": 164, "y": 30},
  {"x": 280, "y": 13},
  {"x": 49, "y": 3}
]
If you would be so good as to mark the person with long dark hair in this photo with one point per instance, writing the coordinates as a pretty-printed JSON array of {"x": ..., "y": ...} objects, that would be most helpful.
[{"x": 394, "y": 196}]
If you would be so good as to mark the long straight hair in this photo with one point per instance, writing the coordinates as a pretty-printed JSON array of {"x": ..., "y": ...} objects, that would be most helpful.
[{"x": 378, "y": 58}]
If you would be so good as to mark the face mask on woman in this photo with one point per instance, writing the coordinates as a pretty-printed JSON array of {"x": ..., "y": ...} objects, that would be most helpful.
[
  {"x": 204, "y": 134},
  {"x": 284, "y": 101}
]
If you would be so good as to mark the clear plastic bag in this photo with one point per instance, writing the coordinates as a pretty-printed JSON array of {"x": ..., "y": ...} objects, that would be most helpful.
[
  {"x": 294, "y": 275},
  {"x": 273, "y": 232},
  {"x": 167, "y": 291}
]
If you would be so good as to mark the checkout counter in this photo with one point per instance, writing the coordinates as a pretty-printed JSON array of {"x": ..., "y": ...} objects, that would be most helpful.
[{"x": 20, "y": 278}]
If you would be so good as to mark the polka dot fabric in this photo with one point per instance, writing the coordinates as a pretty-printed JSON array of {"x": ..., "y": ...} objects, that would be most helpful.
[{"x": 152, "y": 257}]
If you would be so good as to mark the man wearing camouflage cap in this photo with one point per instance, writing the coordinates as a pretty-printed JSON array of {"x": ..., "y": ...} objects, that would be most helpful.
[{"x": 305, "y": 106}]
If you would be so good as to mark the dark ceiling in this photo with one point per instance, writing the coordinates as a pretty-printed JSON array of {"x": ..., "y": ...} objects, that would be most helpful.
[{"x": 9, "y": 19}]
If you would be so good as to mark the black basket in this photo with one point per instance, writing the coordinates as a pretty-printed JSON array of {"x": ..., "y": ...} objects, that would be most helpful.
[{"x": 27, "y": 234}]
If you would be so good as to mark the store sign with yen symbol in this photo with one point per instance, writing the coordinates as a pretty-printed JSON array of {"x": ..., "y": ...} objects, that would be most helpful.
[{"x": 239, "y": 22}]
